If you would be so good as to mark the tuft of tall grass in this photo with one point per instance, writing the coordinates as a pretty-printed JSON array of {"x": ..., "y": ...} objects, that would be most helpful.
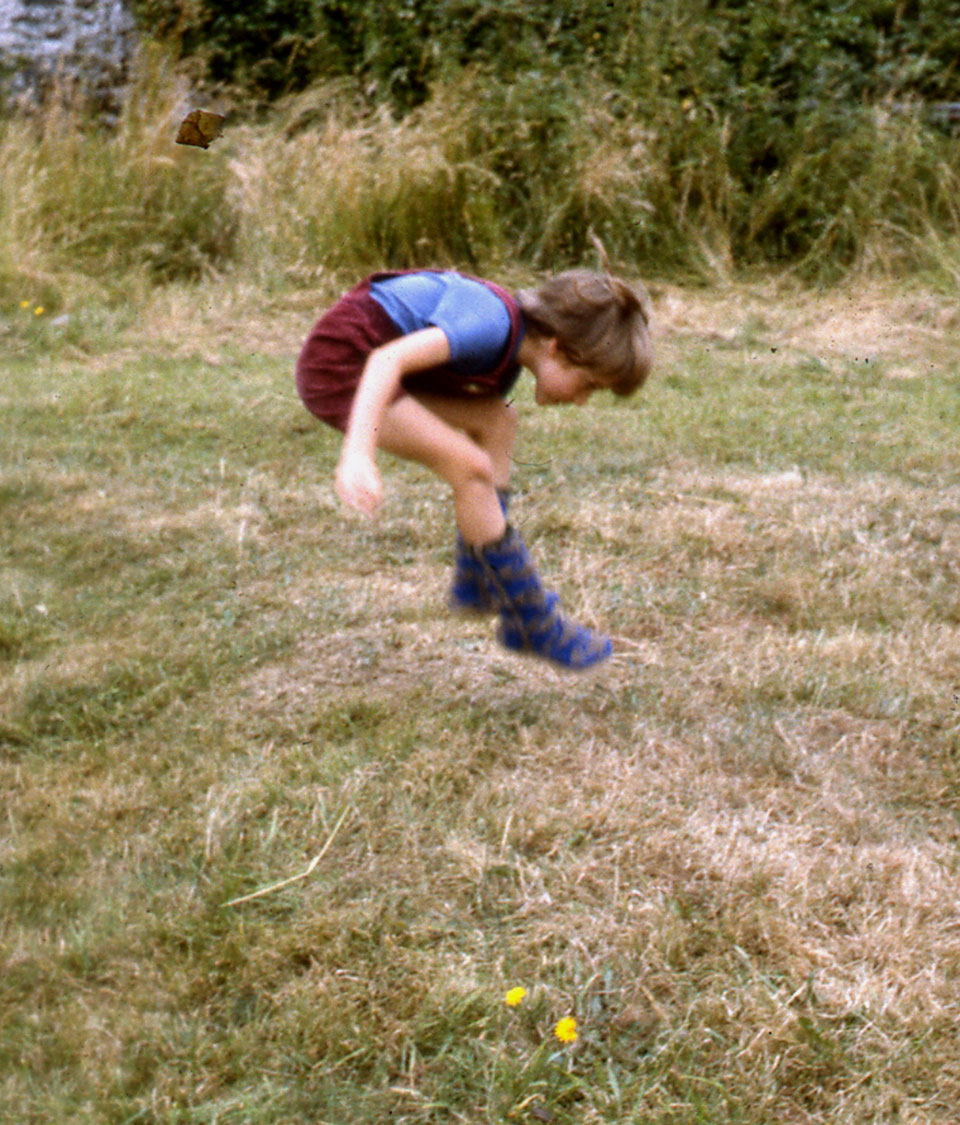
[
  {"x": 478, "y": 174},
  {"x": 869, "y": 189},
  {"x": 119, "y": 206},
  {"x": 353, "y": 189}
]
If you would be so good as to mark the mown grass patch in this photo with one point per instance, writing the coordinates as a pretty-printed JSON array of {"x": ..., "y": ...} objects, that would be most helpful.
[{"x": 731, "y": 855}]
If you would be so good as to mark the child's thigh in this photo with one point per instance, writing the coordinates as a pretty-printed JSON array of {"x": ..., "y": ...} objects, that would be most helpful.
[
  {"x": 445, "y": 440},
  {"x": 489, "y": 421}
]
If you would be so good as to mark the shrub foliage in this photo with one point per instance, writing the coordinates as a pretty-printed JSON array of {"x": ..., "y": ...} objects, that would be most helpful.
[{"x": 760, "y": 54}]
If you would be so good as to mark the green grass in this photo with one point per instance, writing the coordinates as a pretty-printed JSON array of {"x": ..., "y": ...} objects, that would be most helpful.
[{"x": 731, "y": 854}]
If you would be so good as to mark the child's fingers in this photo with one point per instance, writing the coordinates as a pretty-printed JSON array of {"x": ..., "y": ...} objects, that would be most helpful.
[
  {"x": 367, "y": 504},
  {"x": 364, "y": 498},
  {"x": 358, "y": 485}
]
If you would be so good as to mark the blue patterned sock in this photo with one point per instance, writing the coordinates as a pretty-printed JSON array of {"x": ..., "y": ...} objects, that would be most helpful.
[{"x": 531, "y": 618}]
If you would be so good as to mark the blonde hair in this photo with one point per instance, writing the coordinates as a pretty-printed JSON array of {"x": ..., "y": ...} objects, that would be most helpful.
[{"x": 599, "y": 322}]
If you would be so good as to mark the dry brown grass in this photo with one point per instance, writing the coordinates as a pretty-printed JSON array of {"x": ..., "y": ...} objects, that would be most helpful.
[{"x": 732, "y": 853}]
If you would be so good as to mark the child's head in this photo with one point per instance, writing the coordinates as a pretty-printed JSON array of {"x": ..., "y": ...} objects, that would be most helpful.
[{"x": 598, "y": 321}]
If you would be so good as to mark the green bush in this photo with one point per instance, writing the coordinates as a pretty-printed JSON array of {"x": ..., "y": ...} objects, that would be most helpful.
[
  {"x": 696, "y": 134},
  {"x": 756, "y": 55},
  {"x": 265, "y": 50}
]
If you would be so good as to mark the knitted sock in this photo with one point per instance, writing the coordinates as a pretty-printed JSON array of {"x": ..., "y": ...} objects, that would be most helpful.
[
  {"x": 470, "y": 591},
  {"x": 530, "y": 616}
]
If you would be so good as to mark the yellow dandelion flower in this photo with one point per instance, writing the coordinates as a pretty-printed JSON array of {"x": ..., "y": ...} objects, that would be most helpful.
[
  {"x": 24, "y": 304},
  {"x": 515, "y": 996},
  {"x": 566, "y": 1030},
  {"x": 38, "y": 311}
]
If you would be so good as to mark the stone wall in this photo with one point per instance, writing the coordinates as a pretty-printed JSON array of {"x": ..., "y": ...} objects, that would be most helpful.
[{"x": 89, "y": 42}]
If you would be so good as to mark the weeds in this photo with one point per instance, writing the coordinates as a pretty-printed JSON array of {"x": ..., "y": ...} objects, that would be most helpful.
[{"x": 119, "y": 208}]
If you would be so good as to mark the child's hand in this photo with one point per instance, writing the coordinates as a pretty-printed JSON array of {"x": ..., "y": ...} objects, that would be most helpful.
[{"x": 358, "y": 484}]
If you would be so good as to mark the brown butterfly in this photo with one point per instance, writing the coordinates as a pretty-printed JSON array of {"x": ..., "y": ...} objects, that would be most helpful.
[{"x": 200, "y": 127}]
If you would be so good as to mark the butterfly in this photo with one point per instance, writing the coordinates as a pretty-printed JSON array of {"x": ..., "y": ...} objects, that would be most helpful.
[{"x": 200, "y": 127}]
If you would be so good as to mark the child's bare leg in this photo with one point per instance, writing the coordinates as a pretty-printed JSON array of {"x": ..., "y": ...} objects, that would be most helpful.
[{"x": 468, "y": 443}]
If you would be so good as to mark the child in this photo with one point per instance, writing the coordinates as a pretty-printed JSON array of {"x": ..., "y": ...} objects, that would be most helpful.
[{"x": 419, "y": 363}]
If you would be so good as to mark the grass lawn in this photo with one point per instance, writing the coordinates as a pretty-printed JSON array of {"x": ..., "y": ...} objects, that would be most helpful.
[{"x": 731, "y": 854}]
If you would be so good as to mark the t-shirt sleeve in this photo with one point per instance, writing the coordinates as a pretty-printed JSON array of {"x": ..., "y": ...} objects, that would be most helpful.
[{"x": 476, "y": 323}]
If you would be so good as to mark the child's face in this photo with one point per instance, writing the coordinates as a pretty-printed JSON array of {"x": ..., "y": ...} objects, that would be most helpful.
[{"x": 560, "y": 381}]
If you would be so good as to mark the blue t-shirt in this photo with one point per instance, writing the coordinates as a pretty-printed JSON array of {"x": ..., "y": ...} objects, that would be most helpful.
[{"x": 472, "y": 317}]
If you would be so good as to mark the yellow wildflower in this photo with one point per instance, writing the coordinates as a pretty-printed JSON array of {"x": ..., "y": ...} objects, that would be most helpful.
[
  {"x": 566, "y": 1030},
  {"x": 515, "y": 996},
  {"x": 38, "y": 311},
  {"x": 24, "y": 304}
]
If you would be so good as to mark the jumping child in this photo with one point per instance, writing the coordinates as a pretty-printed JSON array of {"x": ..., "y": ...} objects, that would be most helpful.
[{"x": 419, "y": 363}]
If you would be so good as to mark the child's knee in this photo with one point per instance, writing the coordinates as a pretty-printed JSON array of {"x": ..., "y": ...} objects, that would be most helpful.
[{"x": 473, "y": 467}]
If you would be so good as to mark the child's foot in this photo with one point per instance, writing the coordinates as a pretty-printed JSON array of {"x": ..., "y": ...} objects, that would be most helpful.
[
  {"x": 551, "y": 635},
  {"x": 531, "y": 619}
]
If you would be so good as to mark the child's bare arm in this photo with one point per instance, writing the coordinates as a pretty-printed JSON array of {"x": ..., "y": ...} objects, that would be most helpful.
[{"x": 357, "y": 478}]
